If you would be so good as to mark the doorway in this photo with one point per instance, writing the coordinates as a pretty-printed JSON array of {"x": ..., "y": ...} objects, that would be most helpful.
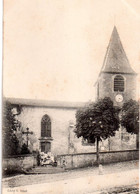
[{"x": 45, "y": 147}]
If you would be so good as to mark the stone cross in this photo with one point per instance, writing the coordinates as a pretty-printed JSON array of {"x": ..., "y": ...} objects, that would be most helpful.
[{"x": 27, "y": 134}]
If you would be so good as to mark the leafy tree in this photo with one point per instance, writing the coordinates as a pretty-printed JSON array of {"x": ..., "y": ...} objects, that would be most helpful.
[
  {"x": 9, "y": 128},
  {"x": 130, "y": 117},
  {"x": 97, "y": 121},
  {"x": 12, "y": 135}
]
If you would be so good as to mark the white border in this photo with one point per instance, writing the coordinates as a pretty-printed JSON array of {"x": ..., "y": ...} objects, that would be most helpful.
[{"x": 1, "y": 59}]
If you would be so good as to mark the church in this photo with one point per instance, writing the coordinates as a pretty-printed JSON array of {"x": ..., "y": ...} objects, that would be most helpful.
[{"x": 53, "y": 123}]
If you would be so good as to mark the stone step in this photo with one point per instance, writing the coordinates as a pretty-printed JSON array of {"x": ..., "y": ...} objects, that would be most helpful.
[{"x": 45, "y": 170}]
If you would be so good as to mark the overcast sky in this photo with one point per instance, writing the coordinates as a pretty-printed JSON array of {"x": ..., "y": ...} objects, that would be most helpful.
[{"x": 54, "y": 49}]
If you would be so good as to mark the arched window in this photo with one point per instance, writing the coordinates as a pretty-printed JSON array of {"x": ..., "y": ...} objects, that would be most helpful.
[
  {"x": 45, "y": 126},
  {"x": 118, "y": 83}
]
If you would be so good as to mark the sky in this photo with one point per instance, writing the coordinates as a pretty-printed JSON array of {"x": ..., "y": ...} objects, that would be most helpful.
[{"x": 54, "y": 49}]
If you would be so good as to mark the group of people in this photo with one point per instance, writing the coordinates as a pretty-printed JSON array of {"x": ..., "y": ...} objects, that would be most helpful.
[{"x": 46, "y": 158}]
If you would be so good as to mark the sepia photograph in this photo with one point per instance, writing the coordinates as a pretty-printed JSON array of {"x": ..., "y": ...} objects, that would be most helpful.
[{"x": 70, "y": 96}]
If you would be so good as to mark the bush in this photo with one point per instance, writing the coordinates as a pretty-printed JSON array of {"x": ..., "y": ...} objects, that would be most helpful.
[{"x": 24, "y": 149}]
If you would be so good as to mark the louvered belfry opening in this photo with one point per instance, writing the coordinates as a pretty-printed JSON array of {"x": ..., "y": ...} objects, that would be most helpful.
[
  {"x": 118, "y": 83},
  {"x": 45, "y": 126}
]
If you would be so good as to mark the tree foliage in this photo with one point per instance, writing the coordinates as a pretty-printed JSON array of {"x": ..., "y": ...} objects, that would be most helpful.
[
  {"x": 14, "y": 141},
  {"x": 130, "y": 116},
  {"x": 10, "y": 124},
  {"x": 98, "y": 120}
]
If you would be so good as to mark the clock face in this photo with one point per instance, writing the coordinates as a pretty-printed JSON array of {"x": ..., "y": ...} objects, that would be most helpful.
[{"x": 119, "y": 98}]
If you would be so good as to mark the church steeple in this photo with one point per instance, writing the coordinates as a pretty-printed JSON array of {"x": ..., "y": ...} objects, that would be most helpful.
[
  {"x": 115, "y": 60},
  {"x": 116, "y": 79}
]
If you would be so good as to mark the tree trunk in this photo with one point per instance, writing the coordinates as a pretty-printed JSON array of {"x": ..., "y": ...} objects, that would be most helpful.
[{"x": 97, "y": 151}]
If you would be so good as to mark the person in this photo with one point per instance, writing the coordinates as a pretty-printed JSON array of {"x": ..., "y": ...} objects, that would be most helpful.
[
  {"x": 51, "y": 156},
  {"x": 38, "y": 158}
]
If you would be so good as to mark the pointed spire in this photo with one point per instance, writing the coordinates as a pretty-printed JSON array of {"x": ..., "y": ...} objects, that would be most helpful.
[{"x": 115, "y": 59}]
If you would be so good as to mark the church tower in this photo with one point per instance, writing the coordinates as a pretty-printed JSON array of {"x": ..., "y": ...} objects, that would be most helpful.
[{"x": 117, "y": 79}]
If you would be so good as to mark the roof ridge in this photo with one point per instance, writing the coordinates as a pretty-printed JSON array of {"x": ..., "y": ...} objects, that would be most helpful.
[{"x": 44, "y": 103}]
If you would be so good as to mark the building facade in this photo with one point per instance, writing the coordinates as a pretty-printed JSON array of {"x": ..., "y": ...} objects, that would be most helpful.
[{"x": 53, "y": 122}]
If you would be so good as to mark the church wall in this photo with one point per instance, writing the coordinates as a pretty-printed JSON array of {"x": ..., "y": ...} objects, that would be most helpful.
[
  {"x": 60, "y": 126},
  {"x": 122, "y": 141},
  {"x": 105, "y": 85},
  {"x": 130, "y": 87},
  {"x": 31, "y": 117}
]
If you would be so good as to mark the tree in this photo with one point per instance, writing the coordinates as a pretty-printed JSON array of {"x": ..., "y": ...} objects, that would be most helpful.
[
  {"x": 130, "y": 117},
  {"x": 97, "y": 121},
  {"x": 10, "y": 125},
  {"x": 12, "y": 136}
]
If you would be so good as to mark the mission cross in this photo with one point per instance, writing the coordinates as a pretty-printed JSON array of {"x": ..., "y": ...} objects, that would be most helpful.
[{"x": 27, "y": 134}]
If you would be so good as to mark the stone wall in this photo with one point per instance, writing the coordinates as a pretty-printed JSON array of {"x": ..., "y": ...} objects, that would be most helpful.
[
  {"x": 18, "y": 163},
  {"x": 71, "y": 161}
]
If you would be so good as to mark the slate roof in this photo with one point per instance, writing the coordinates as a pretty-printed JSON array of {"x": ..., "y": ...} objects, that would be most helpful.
[{"x": 115, "y": 59}]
